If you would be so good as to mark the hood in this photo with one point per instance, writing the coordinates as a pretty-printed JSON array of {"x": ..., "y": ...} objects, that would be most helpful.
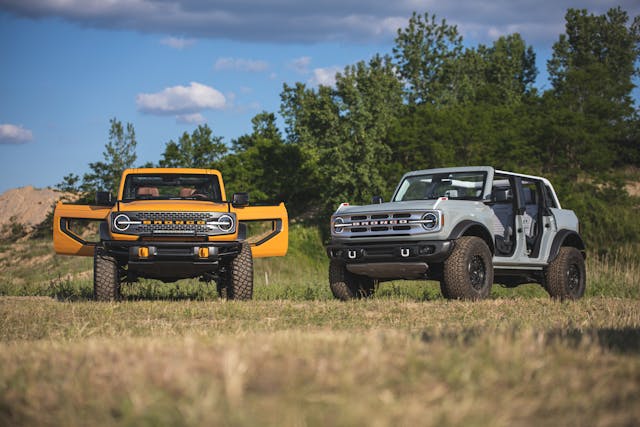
[
  {"x": 412, "y": 205},
  {"x": 171, "y": 206}
]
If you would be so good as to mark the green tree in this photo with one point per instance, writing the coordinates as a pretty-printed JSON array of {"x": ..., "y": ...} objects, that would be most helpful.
[
  {"x": 70, "y": 183},
  {"x": 312, "y": 119},
  {"x": 425, "y": 52},
  {"x": 511, "y": 68},
  {"x": 342, "y": 132},
  {"x": 464, "y": 134},
  {"x": 263, "y": 164},
  {"x": 119, "y": 154},
  {"x": 201, "y": 149},
  {"x": 592, "y": 71}
]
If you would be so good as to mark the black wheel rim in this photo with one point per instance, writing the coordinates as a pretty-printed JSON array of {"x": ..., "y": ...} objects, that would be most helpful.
[
  {"x": 477, "y": 272},
  {"x": 574, "y": 279}
]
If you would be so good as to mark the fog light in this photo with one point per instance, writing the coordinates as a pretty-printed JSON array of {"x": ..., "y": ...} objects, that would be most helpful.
[
  {"x": 203, "y": 252},
  {"x": 427, "y": 250},
  {"x": 143, "y": 252}
]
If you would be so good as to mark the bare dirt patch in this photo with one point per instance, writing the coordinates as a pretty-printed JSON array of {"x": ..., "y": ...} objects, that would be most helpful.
[{"x": 28, "y": 206}]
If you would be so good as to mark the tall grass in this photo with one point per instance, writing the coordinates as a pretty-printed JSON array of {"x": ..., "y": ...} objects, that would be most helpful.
[{"x": 615, "y": 273}]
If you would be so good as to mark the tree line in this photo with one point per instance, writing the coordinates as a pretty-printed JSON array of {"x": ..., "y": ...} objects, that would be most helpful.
[{"x": 432, "y": 102}]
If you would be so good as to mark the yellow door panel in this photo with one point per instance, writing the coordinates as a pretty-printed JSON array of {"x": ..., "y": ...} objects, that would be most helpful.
[
  {"x": 65, "y": 241},
  {"x": 274, "y": 240}
]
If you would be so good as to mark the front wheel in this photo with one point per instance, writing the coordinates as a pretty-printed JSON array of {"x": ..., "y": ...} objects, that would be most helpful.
[
  {"x": 106, "y": 276},
  {"x": 468, "y": 272},
  {"x": 237, "y": 282},
  {"x": 346, "y": 285},
  {"x": 566, "y": 276}
]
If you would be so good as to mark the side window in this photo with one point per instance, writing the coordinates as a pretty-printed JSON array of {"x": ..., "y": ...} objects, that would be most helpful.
[
  {"x": 502, "y": 189},
  {"x": 531, "y": 192}
]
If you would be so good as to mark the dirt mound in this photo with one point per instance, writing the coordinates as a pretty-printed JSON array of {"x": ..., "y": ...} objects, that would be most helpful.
[{"x": 27, "y": 205}]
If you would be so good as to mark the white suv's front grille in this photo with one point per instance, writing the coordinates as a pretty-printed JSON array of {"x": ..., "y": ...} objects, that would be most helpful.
[{"x": 396, "y": 223}]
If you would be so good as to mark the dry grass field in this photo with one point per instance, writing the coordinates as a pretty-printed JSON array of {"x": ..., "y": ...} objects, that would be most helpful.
[{"x": 177, "y": 355}]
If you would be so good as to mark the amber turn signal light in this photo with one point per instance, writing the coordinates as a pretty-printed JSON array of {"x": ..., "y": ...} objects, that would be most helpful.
[{"x": 143, "y": 252}]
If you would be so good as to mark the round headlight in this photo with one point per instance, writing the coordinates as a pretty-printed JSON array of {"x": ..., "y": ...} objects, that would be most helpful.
[
  {"x": 121, "y": 222},
  {"x": 225, "y": 223},
  {"x": 336, "y": 225},
  {"x": 430, "y": 221}
]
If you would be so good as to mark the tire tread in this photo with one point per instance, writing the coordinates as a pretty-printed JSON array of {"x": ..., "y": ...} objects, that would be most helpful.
[
  {"x": 239, "y": 277},
  {"x": 106, "y": 277},
  {"x": 455, "y": 283},
  {"x": 556, "y": 282}
]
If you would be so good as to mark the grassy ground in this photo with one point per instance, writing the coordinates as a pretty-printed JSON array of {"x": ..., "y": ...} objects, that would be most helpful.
[
  {"x": 175, "y": 354},
  {"x": 379, "y": 362}
]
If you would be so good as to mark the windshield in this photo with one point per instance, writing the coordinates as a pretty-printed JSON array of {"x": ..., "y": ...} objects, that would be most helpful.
[
  {"x": 172, "y": 187},
  {"x": 454, "y": 185}
]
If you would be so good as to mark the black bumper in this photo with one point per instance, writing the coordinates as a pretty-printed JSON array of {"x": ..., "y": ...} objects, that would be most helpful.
[
  {"x": 429, "y": 251},
  {"x": 172, "y": 260}
]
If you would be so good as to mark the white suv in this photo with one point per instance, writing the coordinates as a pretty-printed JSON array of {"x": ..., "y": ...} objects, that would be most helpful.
[{"x": 466, "y": 227}]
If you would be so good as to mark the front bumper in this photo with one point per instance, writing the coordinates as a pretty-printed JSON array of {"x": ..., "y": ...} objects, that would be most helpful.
[
  {"x": 401, "y": 260},
  {"x": 426, "y": 251},
  {"x": 172, "y": 260}
]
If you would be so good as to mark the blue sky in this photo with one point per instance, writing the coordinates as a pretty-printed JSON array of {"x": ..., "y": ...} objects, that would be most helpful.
[{"x": 166, "y": 66}]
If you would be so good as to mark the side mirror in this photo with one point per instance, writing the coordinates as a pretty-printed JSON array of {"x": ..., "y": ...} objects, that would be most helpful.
[
  {"x": 104, "y": 198},
  {"x": 376, "y": 200},
  {"x": 240, "y": 200}
]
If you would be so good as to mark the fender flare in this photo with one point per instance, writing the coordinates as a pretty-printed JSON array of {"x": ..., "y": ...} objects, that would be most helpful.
[
  {"x": 566, "y": 238},
  {"x": 472, "y": 228}
]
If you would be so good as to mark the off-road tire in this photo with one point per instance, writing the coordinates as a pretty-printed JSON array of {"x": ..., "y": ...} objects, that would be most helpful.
[
  {"x": 566, "y": 276},
  {"x": 106, "y": 276},
  {"x": 238, "y": 280},
  {"x": 468, "y": 271},
  {"x": 346, "y": 285}
]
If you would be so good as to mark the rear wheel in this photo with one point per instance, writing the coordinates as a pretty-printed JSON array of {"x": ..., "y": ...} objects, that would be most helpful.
[
  {"x": 237, "y": 283},
  {"x": 346, "y": 285},
  {"x": 566, "y": 276},
  {"x": 468, "y": 272},
  {"x": 106, "y": 276}
]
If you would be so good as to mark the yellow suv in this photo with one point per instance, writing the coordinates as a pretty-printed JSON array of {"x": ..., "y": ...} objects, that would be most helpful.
[{"x": 170, "y": 224}]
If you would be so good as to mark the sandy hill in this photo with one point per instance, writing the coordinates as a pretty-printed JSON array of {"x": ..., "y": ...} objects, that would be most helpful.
[{"x": 27, "y": 205}]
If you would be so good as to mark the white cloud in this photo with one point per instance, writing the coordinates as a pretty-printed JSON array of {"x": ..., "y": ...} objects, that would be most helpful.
[
  {"x": 241, "y": 64},
  {"x": 181, "y": 100},
  {"x": 325, "y": 76},
  {"x": 195, "y": 118},
  {"x": 292, "y": 21},
  {"x": 12, "y": 134},
  {"x": 177, "y": 42},
  {"x": 301, "y": 65}
]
